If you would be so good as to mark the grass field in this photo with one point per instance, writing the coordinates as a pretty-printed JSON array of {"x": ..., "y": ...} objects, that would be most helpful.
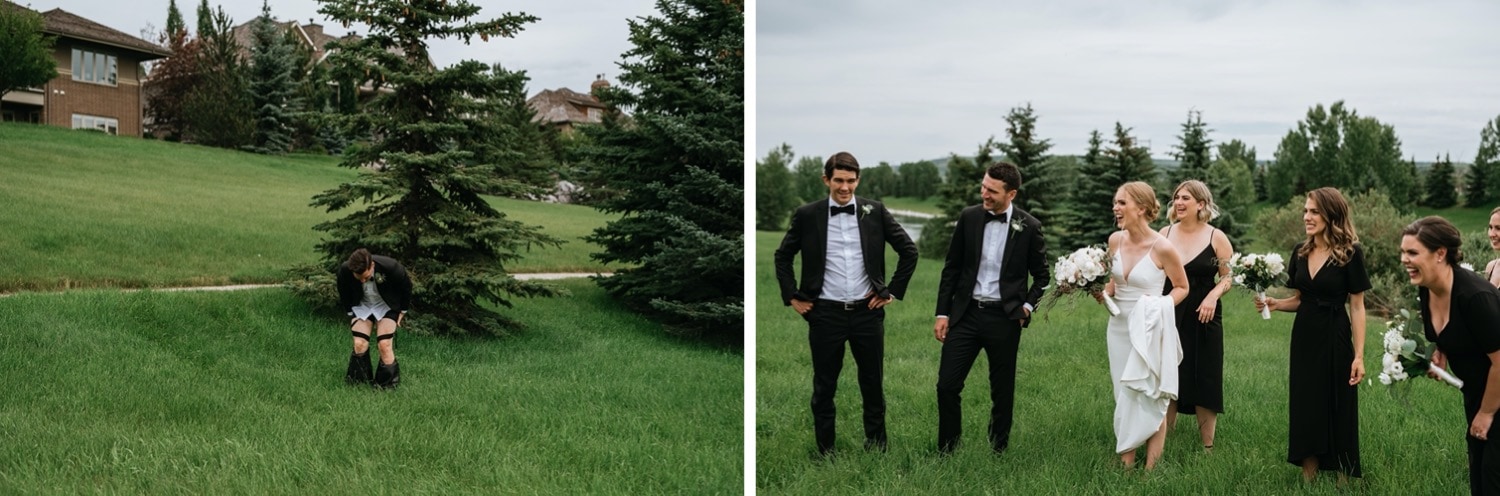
[
  {"x": 242, "y": 393},
  {"x": 90, "y": 210},
  {"x": 1063, "y": 440},
  {"x": 1466, "y": 219}
]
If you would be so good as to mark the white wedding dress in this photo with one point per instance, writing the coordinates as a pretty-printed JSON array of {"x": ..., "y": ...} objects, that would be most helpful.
[{"x": 1143, "y": 352}]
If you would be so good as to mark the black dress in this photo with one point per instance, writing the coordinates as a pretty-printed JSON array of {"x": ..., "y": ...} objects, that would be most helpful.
[
  {"x": 1322, "y": 408},
  {"x": 1201, "y": 373},
  {"x": 1474, "y": 309}
]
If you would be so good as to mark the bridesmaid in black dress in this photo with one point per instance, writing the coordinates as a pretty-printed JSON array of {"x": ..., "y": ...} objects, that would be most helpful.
[
  {"x": 1460, "y": 311},
  {"x": 1199, "y": 319},
  {"x": 1492, "y": 271},
  {"x": 1327, "y": 353}
]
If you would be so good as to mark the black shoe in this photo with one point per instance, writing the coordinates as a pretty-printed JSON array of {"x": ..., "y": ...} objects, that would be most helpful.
[
  {"x": 946, "y": 449},
  {"x": 359, "y": 369},
  {"x": 873, "y": 444},
  {"x": 388, "y": 376}
]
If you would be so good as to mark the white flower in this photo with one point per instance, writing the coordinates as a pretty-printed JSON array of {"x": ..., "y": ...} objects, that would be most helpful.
[
  {"x": 1386, "y": 360},
  {"x": 1467, "y": 266},
  {"x": 1239, "y": 279},
  {"x": 1274, "y": 259},
  {"x": 1384, "y": 379},
  {"x": 1017, "y": 226},
  {"x": 866, "y": 209}
]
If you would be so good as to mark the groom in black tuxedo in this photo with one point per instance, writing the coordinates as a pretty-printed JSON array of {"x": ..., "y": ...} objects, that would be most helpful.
[
  {"x": 984, "y": 300},
  {"x": 842, "y": 240}
]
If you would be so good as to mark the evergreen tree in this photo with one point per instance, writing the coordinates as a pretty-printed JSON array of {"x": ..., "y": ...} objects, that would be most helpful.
[
  {"x": 273, "y": 85},
  {"x": 205, "y": 19},
  {"x": 1194, "y": 150},
  {"x": 1234, "y": 191},
  {"x": 1440, "y": 190},
  {"x": 218, "y": 110},
  {"x": 1235, "y": 151},
  {"x": 1023, "y": 148},
  {"x": 1130, "y": 161},
  {"x": 26, "y": 52},
  {"x": 174, "y": 20},
  {"x": 1100, "y": 177},
  {"x": 960, "y": 190},
  {"x": 423, "y": 203},
  {"x": 508, "y": 136},
  {"x": 680, "y": 167},
  {"x": 920, "y": 180},
  {"x": 1477, "y": 186},
  {"x": 1488, "y": 158},
  {"x": 774, "y": 196}
]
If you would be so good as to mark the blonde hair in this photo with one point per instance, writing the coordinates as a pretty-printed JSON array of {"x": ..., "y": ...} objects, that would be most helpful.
[
  {"x": 1339, "y": 236},
  {"x": 1199, "y": 192},
  {"x": 1142, "y": 194}
]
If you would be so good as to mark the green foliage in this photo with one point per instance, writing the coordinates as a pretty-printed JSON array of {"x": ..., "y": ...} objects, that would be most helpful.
[
  {"x": 1441, "y": 192},
  {"x": 175, "y": 24},
  {"x": 26, "y": 51},
  {"x": 1336, "y": 147},
  {"x": 218, "y": 110},
  {"x": 504, "y": 135},
  {"x": 775, "y": 198},
  {"x": 960, "y": 190},
  {"x": 919, "y": 180},
  {"x": 679, "y": 165},
  {"x": 878, "y": 182},
  {"x": 1234, "y": 192},
  {"x": 1487, "y": 159},
  {"x": 1378, "y": 225},
  {"x": 1096, "y": 193},
  {"x": 1236, "y": 150},
  {"x": 273, "y": 82},
  {"x": 807, "y": 182},
  {"x": 427, "y": 163},
  {"x": 1023, "y": 148},
  {"x": 1477, "y": 186},
  {"x": 1193, "y": 149},
  {"x": 1129, "y": 160},
  {"x": 205, "y": 19}
]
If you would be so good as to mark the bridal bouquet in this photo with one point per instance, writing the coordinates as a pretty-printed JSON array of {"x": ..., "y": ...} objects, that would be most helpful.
[
  {"x": 1258, "y": 271},
  {"x": 1406, "y": 349},
  {"x": 1086, "y": 270}
]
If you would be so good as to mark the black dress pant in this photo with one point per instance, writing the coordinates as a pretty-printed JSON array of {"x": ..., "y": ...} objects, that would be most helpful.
[
  {"x": 830, "y": 325},
  {"x": 1484, "y": 465},
  {"x": 991, "y": 330}
]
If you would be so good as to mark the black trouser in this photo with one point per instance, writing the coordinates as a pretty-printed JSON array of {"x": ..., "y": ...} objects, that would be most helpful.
[
  {"x": 1484, "y": 465},
  {"x": 991, "y": 330},
  {"x": 830, "y": 325}
]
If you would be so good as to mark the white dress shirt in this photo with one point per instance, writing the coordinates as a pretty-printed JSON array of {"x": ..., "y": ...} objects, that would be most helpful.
[
  {"x": 996, "y": 234},
  {"x": 844, "y": 277},
  {"x": 371, "y": 305}
]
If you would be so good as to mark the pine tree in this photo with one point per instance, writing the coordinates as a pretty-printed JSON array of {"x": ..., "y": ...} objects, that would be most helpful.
[
  {"x": 1023, "y": 148},
  {"x": 679, "y": 165},
  {"x": 273, "y": 85},
  {"x": 422, "y": 174},
  {"x": 1440, "y": 190},
  {"x": 1488, "y": 157},
  {"x": 1477, "y": 186},
  {"x": 1096, "y": 193},
  {"x": 1130, "y": 161},
  {"x": 174, "y": 20},
  {"x": 1194, "y": 150},
  {"x": 205, "y": 19}
]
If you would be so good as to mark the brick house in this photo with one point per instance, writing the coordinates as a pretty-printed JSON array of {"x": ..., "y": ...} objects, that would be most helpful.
[
  {"x": 565, "y": 109},
  {"x": 98, "y": 85}
]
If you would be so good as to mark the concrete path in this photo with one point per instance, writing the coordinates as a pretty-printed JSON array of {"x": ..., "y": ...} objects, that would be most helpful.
[{"x": 542, "y": 276}]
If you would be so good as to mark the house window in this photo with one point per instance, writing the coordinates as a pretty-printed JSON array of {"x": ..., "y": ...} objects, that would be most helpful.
[
  {"x": 94, "y": 67},
  {"x": 108, "y": 125}
]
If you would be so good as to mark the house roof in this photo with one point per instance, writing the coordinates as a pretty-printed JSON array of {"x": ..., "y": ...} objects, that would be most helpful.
[
  {"x": 63, "y": 23},
  {"x": 563, "y": 105}
]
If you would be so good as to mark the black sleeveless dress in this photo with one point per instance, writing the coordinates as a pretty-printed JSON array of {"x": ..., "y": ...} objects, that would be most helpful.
[{"x": 1201, "y": 373}]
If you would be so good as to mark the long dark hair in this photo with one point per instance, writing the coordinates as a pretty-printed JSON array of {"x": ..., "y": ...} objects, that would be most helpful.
[{"x": 1339, "y": 236}]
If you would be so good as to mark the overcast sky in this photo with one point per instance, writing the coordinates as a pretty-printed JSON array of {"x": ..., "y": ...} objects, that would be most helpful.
[
  {"x": 897, "y": 80},
  {"x": 573, "y": 41}
]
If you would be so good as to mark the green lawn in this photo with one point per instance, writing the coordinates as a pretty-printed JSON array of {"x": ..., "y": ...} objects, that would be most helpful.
[
  {"x": 1466, "y": 219},
  {"x": 90, "y": 210},
  {"x": 1063, "y": 440},
  {"x": 928, "y": 206},
  {"x": 242, "y": 393}
]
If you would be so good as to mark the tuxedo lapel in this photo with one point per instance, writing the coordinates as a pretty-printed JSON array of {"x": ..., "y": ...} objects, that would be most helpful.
[
  {"x": 819, "y": 237},
  {"x": 1011, "y": 236}
]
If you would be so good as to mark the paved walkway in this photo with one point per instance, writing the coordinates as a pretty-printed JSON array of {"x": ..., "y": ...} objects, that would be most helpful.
[{"x": 541, "y": 276}]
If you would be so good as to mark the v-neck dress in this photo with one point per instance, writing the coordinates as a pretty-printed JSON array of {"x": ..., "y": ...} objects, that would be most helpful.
[
  {"x": 1201, "y": 374},
  {"x": 1322, "y": 408},
  {"x": 1467, "y": 341}
]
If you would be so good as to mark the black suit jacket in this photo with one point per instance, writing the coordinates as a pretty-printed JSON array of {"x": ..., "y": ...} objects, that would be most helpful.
[
  {"x": 396, "y": 290},
  {"x": 808, "y": 234},
  {"x": 1025, "y": 254}
]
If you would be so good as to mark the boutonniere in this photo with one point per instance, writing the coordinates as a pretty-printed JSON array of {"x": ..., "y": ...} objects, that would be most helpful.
[
  {"x": 866, "y": 211},
  {"x": 379, "y": 278},
  {"x": 1016, "y": 226}
]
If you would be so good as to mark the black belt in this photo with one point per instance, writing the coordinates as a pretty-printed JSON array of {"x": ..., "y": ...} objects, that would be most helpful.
[
  {"x": 863, "y": 303},
  {"x": 985, "y": 304},
  {"x": 1325, "y": 305}
]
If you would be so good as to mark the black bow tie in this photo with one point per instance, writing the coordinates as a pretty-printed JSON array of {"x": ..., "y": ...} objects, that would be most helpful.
[
  {"x": 991, "y": 217},
  {"x": 846, "y": 209}
]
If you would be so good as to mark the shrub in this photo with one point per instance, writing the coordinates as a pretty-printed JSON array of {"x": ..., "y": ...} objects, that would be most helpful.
[{"x": 1378, "y": 224}]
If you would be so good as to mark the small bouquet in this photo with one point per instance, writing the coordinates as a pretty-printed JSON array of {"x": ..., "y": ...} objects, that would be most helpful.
[
  {"x": 1407, "y": 349},
  {"x": 1086, "y": 270},
  {"x": 1258, "y": 271}
]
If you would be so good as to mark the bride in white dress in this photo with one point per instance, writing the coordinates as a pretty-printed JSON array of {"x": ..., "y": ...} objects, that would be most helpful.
[{"x": 1143, "y": 346}]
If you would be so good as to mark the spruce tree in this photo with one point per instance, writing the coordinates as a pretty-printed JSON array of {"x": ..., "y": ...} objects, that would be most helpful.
[
  {"x": 1488, "y": 157},
  {"x": 1100, "y": 177},
  {"x": 421, "y": 175},
  {"x": 1023, "y": 148},
  {"x": 273, "y": 85},
  {"x": 1477, "y": 186},
  {"x": 1193, "y": 150},
  {"x": 174, "y": 20},
  {"x": 1130, "y": 161},
  {"x": 1440, "y": 190},
  {"x": 678, "y": 163}
]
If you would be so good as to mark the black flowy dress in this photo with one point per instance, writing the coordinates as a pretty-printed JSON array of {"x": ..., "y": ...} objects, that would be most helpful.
[
  {"x": 1322, "y": 408},
  {"x": 1201, "y": 373},
  {"x": 1467, "y": 340}
]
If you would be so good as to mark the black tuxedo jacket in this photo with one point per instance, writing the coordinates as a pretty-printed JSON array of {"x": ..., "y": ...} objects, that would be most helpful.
[
  {"x": 809, "y": 235},
  {"x": 396, "y": 290},
  {"x": 1025, "y": 254}
]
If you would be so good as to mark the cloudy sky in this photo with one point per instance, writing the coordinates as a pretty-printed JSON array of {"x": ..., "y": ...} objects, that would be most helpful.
[
  {"x": 573, "y": 41},
  {"x": 897, "y": 80}
]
